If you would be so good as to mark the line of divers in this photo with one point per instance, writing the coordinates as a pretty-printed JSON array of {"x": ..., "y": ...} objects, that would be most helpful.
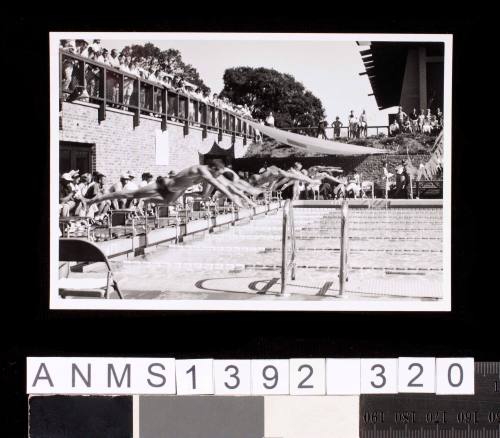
[{"x": 221, "y": 181}]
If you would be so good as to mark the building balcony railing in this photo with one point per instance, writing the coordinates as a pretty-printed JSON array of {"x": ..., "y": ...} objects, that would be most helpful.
[
  {"x": 344, "y": 131},
  {"x": 84, "y": 79}
]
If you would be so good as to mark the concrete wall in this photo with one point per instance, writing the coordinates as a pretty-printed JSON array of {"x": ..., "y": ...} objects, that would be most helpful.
[
  {"x": 120, "y": 147},
  {"x": 410, "y": 90}
]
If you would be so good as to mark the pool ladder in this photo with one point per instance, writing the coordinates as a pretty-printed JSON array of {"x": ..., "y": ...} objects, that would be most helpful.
[{"x": 289, "y": 249}]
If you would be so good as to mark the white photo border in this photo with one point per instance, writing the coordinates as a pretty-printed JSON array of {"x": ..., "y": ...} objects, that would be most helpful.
[{"x": 56, "y": 302}]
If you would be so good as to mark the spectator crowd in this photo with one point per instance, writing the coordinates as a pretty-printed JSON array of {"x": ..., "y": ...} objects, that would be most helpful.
[
  {"x": 424, "y": 122},
  {"x": 146, "y": 68}
]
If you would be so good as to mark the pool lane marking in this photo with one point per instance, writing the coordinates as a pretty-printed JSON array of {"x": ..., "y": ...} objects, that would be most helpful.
[
  {"x": 324, "y": 289},
  {"x": 269, "y": 285}
]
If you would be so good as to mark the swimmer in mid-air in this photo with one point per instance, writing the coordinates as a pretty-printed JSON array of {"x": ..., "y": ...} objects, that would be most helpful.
[
  {"x": 168, "y": 190},
  {"x": 235, "y": 185},
  {"x": 276, "y": 177}
]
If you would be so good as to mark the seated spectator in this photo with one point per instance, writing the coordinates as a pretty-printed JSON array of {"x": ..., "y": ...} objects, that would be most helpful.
[
  {"x": 353, "y": 187},
  {"x": 407, "y": 126},
  {"x": 339, "y": 190},
  {"x": 67, "y": 192},
  {"x": 146, "y": 178},
  {"x": 131, "y": 183},
  {"x": 435, "y": 126},
  {"x": 421, "y": 119},
  {"x": 97, "y": 188},
  {"x": 439, "y": 115},
  {"x": 427, "y": 128},
  {"x": 270, "y": 119},
  {"x": 413, "y": 118},
  {"x": 81, "y": 191},
  {"x": 118, "y": 187},
  {"x": 394, "y": 128}
]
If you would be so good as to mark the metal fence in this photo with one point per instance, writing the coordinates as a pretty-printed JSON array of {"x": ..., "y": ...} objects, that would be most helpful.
[
  {"x": 343, "y": 131},
  {"x": 87, "y": 80}
]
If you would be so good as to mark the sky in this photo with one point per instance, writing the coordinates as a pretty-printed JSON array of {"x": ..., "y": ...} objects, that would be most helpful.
[{"x": 330, "y": 69}]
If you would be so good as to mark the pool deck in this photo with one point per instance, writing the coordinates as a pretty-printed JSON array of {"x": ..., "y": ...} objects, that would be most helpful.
[{"x": 247, "y": 249}]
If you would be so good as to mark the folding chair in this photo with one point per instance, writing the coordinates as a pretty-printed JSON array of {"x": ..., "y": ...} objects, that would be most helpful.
[{"x": 79, "y": 250}]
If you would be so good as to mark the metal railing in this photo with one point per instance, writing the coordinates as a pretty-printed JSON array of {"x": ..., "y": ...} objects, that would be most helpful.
[
  {"x": 288, "y": 246},
  {"x": 344, "y": 246},
  {"x": 315, "y": 131},
  {"x": 289, "y": 249},
  {"x": 82, "y": 79}
]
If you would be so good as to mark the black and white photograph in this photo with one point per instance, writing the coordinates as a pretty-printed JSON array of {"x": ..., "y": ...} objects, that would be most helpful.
[{"x": 206, "y": 171}]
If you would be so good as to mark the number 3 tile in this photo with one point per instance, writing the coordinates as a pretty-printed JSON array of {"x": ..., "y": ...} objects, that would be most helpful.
[
  {"x": 379, "y": 376},
  {"x": 232, "y": 377}
]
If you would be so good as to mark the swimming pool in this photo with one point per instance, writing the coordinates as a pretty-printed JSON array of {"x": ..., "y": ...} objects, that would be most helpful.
[{"x": 395, "y": 253}]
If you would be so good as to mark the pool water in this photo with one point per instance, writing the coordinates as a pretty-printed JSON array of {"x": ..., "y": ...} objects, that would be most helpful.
[{"x": 394, "y": 253}]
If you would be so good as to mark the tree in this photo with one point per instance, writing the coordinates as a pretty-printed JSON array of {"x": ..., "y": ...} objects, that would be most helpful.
[
  {"x": 265, "y": 90},
  {"x": 171, "y": 61}
]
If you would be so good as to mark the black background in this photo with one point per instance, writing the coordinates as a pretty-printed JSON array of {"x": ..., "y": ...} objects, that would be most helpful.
[{"x": 471, "y": 329}]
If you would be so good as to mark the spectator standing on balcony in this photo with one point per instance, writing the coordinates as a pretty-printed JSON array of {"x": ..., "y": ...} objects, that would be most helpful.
[
  {"x": 270, "y": 119},
  {"x": 82, "y": 48},
  {"x": 401, "y": 117},
  {"x": 92, "y": 75},
  {"x": 105, "y": 57},
  {"x": 353, "y": 123},
  {"x": 336, "y": 125},
  {"x": 101, "y": 55},
  {"x": 68, "y": 65},
  {"x": 132, "y": 68},
  {"x": 322, "y": 129},
  {"x": 96, "y": 45},
  {"x": 113, "y": 59},
  {"x": 363, "y": 124},
  {"x": 128, "y": 82}
]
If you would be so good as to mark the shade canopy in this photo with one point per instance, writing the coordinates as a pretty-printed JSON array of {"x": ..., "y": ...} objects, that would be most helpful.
[{"x": 312, "y": 144}]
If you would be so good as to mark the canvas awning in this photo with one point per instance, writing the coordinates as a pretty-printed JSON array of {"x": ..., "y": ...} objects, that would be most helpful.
[{"x": 312, "y": 144}]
